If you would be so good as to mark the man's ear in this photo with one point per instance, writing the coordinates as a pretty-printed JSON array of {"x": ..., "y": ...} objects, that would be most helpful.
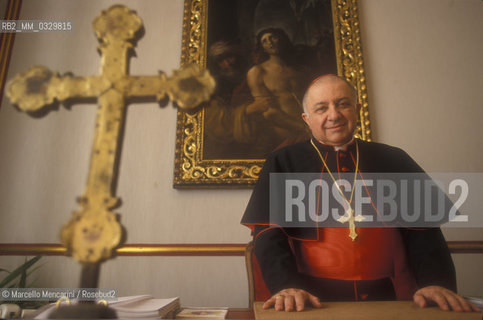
[{"x": 305, "y": 117}]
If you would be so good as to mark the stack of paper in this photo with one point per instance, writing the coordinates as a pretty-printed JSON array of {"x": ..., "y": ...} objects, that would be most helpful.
[
  {"x": 144, "y": 306},
  {"x": 202, "y": 313}
]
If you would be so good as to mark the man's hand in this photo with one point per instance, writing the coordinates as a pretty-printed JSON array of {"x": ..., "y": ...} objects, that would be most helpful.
[
  {"x": 446, "y": 299},
  {"x": 291, "y": 299}
]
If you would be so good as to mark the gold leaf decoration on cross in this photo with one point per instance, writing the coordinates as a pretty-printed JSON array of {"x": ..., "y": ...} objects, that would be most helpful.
[{"x": 94, "y": 231}]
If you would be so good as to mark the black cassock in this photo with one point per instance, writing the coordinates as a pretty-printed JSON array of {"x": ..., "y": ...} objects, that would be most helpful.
[{"x": 426, "y": 251}]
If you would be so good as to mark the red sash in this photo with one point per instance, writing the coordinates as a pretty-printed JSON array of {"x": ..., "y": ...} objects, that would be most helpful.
[{"x": 376, "y": 253}]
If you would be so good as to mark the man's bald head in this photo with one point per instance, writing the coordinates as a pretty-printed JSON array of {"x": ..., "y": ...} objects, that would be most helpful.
[{"x": 326, "y": 79}]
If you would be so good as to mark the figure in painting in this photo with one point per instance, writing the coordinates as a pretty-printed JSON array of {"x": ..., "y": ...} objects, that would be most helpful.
[
  {"x": 224, "y": 120},
  {"x": 249, "y": 118},
  {"x": 276, "y": 84},
  {"x": 256, "y": 108}
]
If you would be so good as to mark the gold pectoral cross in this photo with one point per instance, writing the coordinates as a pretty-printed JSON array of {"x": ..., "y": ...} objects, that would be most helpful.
[
  {"x": 94, "y": 231},
  {"x": 349, "y": 216}
]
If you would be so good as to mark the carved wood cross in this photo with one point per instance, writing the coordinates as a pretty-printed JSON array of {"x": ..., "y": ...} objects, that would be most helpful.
[{"x": 94, "y": 231}]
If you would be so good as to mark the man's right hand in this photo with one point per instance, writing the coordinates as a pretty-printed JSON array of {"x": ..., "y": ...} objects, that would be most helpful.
[{"x": 291, "y": 299}]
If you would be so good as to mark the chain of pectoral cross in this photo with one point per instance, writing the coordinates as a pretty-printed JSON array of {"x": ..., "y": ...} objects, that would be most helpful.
[
  {"x": 349, "y": 212},
  {"x": 94, "y": 231}
]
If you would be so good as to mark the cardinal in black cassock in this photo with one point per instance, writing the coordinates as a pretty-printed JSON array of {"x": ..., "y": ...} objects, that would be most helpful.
[{"x": 325, "y": 263}]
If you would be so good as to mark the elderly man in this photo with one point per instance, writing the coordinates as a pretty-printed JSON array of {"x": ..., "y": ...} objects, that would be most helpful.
[{"x": 306, "y": 265}]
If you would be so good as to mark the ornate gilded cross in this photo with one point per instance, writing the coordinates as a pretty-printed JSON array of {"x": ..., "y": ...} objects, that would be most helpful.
[{"x": 94, "y": 231}]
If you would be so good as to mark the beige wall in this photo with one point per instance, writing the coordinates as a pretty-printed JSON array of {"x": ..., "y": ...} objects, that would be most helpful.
[
  {"x": 422, "y": 63},
  {"x": 3, "y": 8}
]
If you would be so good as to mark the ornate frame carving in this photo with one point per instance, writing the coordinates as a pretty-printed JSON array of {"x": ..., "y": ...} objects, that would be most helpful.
[{"x": 191, "y": 170}]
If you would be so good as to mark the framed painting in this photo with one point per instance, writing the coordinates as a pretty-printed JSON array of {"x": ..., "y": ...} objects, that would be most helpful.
[{"x": 262, "y": 54}]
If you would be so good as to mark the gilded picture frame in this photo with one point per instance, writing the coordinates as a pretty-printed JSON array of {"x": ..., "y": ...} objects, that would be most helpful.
[{"x": 198, "y": 166}]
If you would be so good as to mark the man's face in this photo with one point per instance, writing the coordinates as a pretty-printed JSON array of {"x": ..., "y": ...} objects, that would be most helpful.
[
  {"x": 331, "y": 111},
  {"x": 228, "y": 65},
  {"x": 270, "y": 43}
]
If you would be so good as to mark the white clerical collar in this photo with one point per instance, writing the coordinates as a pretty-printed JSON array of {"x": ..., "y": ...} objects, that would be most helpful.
[{"x": 341, "y": 147}]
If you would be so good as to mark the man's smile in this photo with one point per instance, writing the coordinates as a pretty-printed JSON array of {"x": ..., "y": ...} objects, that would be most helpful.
[{"x": 338, "y": 126}]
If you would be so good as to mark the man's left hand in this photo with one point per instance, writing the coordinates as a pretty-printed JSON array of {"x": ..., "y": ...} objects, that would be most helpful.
[
  {"x": 292, "y": 299},
  {"x": 446, "y": 299}
]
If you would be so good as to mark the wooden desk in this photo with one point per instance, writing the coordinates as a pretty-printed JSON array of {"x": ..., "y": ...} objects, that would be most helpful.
[
  {"x": 364, "y": 311},
  {"x": 240, "y": 314}
]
